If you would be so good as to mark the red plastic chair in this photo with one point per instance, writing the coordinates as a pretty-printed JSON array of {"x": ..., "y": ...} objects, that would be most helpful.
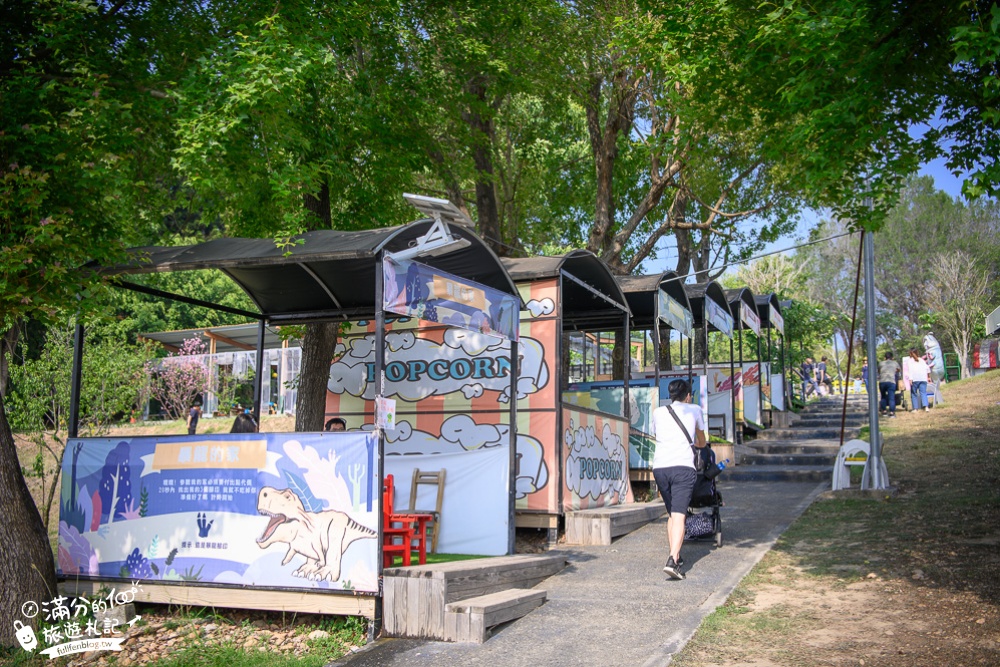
[{"x": 409, "y": 528}]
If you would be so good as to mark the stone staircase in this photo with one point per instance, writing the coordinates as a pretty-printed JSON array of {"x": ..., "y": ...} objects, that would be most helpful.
[{"x": 804, "y": 451}]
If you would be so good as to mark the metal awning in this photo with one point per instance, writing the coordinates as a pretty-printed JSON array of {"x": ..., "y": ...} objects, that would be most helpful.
[
  {"x": 641, "y": 294},
  {"x": 325, "y": 274},
  {"x": 233, "y": 338},
  {"x": 697, "y": 294},
  {"x": 734, "y": 297},
  {"x": 763, "y": 301},
  {"x": 591, "y": 297}
]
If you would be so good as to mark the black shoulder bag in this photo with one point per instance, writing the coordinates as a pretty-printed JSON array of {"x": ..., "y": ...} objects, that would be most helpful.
[{"x": 699, "y": 463}]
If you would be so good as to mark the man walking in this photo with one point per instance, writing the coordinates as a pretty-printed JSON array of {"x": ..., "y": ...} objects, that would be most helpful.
[
  {"x": 809, "y": 378},
  {"x": 887, "y": 383},
  {"x": 677, "y": 426},
  {"x": 192, "y": 419}
]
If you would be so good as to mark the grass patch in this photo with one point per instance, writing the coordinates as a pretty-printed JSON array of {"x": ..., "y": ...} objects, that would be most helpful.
[
  {"x": 914, "y": 554},
  {"x": 434, "y": 559}
]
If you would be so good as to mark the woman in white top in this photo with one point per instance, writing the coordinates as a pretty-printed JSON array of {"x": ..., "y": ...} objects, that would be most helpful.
[
  {"x": 676, "y": 427},
  {"x": 919, "y": 375}
]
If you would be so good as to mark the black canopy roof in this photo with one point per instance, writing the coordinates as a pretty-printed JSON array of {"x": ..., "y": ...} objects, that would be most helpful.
[
  {"x": 737, "y": 296},
  {"x": 696, "y": 297},
  {"x": 763, "y": 301},
  {"x": 324, "y": 274},
  {"x": 600, "y": 307},
  {"x": 641, "y": 294}
]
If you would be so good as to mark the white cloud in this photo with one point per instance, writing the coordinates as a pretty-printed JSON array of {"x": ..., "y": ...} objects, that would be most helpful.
[{"x": 537, "y": 308}]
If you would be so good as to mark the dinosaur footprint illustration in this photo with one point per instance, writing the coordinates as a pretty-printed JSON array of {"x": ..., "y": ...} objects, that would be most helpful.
[{"x": 204, "y": 525}]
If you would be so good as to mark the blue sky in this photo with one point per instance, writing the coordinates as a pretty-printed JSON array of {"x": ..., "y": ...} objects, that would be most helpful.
[{"x": 943, "y": 180}]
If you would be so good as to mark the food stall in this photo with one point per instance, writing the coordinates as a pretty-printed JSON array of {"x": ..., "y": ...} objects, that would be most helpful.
[
  {"x": 582, "y": 435},
  {"x": 769, "y": 311},
  {"x": 711, "y": 313},
  {"x": 659, "y": 306},
  {"x": 280, "y": 521}
]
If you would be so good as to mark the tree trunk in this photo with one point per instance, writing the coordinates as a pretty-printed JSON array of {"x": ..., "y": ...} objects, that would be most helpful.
[
  {"x": 7, "y": 343},
  {"x": 27, "y": 569},
  {"x": 319, "y": 206},
  {"x": 604, "y": 148},
  {"x": 318, "y": 346},
  {"x": 487, "y": 210}
]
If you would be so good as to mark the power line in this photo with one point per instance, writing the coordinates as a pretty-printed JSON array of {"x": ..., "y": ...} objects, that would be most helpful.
[{"x": 766, "y": 254}]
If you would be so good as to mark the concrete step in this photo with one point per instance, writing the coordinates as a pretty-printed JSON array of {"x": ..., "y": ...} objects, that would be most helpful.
[
  {"x": 826, "y": 420},
  {"x": 804, "y": 433},
  {"x": 834, "y": 410},
  {"x": 793, "y": 460},
  {"x": 779, "y": 473},
  {"x": 786, "y": 448},
  {"x": 414, "y": 598},
  {"x": 473, "y": 619},
  {"x": 600, "y": 525}
]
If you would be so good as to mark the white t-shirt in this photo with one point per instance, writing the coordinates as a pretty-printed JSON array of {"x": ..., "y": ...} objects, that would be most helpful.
[
  {"x": 919, "y": 370},
  {"x": 672, "y": 446}
]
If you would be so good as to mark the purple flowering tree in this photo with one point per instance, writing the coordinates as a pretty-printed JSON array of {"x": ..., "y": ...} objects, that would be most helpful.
[{"x": 178, "y": 379}]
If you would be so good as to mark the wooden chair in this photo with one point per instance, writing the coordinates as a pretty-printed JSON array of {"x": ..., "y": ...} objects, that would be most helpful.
[
  {"x": 435, "y": 478},
  {"x": 391, "y": 532},
  {"x": 410, "y": 528}
]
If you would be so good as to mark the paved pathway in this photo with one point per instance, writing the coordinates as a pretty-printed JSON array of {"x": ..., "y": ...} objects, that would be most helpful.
[{"x": 613, "y": 606}]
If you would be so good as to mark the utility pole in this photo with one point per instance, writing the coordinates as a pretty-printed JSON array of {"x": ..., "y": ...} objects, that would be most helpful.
[{"x": 874, "y": 468}]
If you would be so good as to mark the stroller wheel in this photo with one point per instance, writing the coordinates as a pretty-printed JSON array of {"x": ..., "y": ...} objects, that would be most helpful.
[{"x": 718, "y": 539}]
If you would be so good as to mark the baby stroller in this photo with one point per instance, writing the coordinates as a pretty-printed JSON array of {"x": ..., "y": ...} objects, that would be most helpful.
[{"x": 702, "y": 525}]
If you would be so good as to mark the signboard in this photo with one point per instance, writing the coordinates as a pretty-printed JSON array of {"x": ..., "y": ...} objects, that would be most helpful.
[
  {"x": 775, "y": 318},
  {"x": 418, "y": 290},
  {"x": 675, "y": 315},
  {"x": 596, "y": 460},
  {"x": 718, "y": 317},
  {"x": 750, "y": 317},
  {"x": 287, "y": 510}
]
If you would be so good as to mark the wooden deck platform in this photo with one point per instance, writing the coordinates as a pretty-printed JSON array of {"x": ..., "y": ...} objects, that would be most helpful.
[
  {"x": 596, "y": 527},
  {"x": 415, "y": 598}
]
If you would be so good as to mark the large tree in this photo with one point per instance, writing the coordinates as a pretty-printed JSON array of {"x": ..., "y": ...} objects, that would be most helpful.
[{"x": 71, "y": 114}]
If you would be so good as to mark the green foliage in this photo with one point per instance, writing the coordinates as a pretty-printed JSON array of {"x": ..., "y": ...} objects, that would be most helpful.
[
  {"x": 294, "y": 106},
  {"x": 972, "y": 106},
  {"x": 113, "y": 382}
]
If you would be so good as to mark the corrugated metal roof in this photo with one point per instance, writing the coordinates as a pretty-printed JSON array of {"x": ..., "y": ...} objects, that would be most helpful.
[{"x": 322, "y": 274}]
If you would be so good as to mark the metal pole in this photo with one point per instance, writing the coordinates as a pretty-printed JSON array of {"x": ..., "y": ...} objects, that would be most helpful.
[
  {"x": 379, "y": 387},
  {"x": 691, "y": 362},
  {"x": 739, "y": 431},
  {"x": 76, "y": 378},
  {"x": 875, "y": 464},
  {"x": 627, "y": 374},
  {"x": 656, "y": 353},
  {"x": 760, "y": 383},
  {"x": 732, "y": 390},
  {"x": 512, "y": 481},
  {"x": 770, "y": 372},
  {"x": 261, "y": 374}
]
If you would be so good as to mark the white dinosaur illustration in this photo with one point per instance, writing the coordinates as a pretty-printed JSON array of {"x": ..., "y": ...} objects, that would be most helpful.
[{"x": 320, "y": 537}]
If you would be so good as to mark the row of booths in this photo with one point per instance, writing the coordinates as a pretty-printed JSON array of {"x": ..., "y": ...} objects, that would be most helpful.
[{"x": 424, "y": 376}]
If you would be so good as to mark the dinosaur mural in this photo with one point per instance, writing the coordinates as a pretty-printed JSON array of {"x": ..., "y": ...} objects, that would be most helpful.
[{"x": 320, "y": 537}]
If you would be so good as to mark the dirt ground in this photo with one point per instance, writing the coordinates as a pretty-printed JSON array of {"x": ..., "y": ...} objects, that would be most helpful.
[{"x": 911, "y": 580}]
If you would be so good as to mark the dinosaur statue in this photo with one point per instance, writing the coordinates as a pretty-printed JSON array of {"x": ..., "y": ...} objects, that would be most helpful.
[{"x": 320, "y": 537}]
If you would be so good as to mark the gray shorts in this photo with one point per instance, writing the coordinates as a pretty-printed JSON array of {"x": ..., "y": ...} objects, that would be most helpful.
[{"x": 676, "y": 485}]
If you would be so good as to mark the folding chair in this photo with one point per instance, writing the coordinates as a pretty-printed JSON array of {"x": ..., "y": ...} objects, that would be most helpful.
[{"x": 429, "y": 478}]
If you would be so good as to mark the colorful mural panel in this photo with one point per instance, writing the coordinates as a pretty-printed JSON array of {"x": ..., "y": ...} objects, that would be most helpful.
[
  {"x": 290, "y": 510},
  {"x": 452, "y": 389},
  {"x": 595, "y": 473}
]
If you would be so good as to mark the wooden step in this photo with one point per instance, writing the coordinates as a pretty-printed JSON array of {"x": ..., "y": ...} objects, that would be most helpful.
[
  {"x": 472, "y": 620},
  {"x": 414, "y": 598},
  {"x": 598, "y": 526}
]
